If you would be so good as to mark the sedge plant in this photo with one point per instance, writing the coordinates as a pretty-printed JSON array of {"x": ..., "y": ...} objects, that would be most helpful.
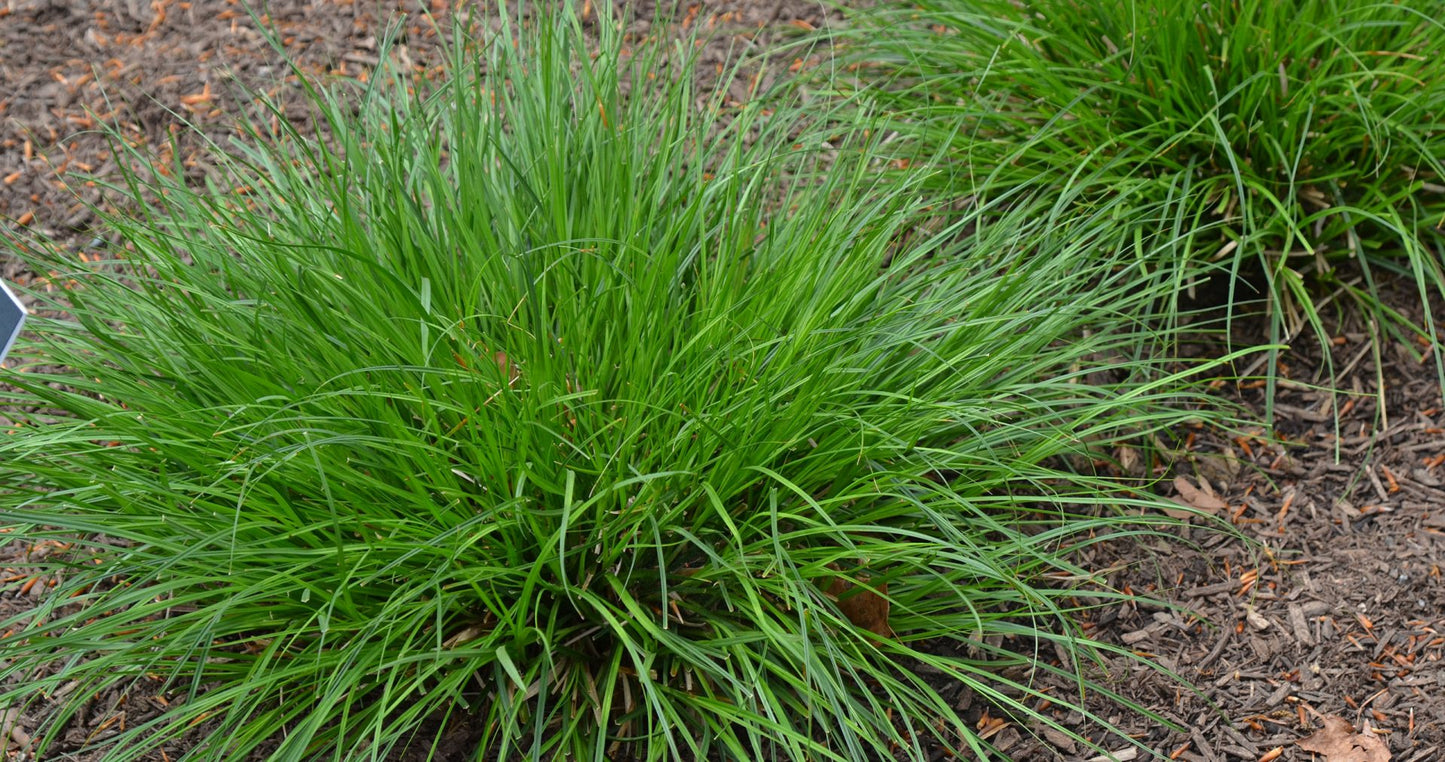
[
  {"x": 1291, "y": 149},
  {"x": 524, "y": 400}
]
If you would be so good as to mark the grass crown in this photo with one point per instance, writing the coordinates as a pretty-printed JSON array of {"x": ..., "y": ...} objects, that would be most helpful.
[
  {"x": 521, "y": 403},
  {"x": 1291, "y": 146}
]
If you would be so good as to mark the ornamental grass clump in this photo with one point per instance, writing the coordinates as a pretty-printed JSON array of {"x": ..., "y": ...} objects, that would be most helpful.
[
  {"x": 520, "y": 405},
  {"x": 1276, "y": 141}
]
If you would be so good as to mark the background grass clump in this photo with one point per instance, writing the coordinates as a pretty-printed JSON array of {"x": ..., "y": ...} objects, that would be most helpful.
[
  {"x": 1297, "y": 146},
  {"x": 521, "y": 403}
]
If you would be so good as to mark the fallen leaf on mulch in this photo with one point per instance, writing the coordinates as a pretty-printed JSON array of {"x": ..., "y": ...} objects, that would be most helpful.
[
  {"x": 863, "y": 607},
  {"x": 1190, "y": 496},
  {"x": 1339, "y": 742}
]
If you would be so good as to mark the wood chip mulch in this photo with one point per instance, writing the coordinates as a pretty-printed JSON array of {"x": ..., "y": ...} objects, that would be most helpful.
[{"x": 1328, "y": 603}]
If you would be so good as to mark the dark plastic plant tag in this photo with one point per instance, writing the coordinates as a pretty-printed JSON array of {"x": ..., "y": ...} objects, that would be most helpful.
[{"x": 12, "y": 317}]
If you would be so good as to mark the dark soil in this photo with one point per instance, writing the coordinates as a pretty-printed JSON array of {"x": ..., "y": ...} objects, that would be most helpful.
[{"x": 1328, "y": 602}]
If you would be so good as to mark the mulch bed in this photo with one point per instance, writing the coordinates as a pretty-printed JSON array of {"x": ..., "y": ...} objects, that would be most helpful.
[{"x": 1328, "y": 602}]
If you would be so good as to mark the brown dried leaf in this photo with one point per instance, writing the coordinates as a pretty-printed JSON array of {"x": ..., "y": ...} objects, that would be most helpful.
[
  {"x": 508, "y": 368},
  {"x": 1339, "y": 742},
  {"x": 1178, "y": 513},
  {"x": 1196, "y": 498},
  {"x": 861, "y": 605},
  {"x": 1208, "y": 489}
]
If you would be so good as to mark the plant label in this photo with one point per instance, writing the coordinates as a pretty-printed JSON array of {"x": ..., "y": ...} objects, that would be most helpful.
[{"x": 12, "y": 317}]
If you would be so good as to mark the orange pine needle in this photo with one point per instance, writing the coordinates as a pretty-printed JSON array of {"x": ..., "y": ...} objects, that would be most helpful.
[
  {"x": 1284, "y": 509},
  {"x": 1390, "y": 479},
  {"x": 201, "y": 97}
]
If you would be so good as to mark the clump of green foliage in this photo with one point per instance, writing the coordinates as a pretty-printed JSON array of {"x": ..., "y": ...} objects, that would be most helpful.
[
  {"x": 1276, "y": 141},
  {"x": 521, "y": 402}
]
